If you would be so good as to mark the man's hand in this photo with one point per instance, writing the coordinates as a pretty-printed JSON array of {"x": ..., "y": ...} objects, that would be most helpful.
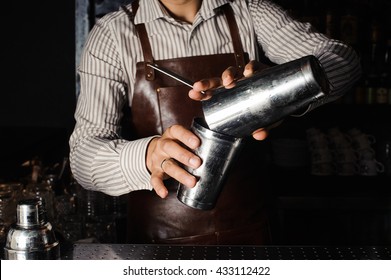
[
  {"x": 165, "y": 155},
  {"x": 228, "y": 79}
]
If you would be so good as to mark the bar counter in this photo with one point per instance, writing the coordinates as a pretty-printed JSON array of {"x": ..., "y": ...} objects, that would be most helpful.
[{"x": 94, "y": 251}]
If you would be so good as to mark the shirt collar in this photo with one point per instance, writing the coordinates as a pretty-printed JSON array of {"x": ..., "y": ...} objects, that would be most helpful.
[{"x": 150, "y": 10}]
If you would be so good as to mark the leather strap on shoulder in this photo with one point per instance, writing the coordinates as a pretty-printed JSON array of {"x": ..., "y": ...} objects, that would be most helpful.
[
  {"x": 143, "y": 36},
  {"x": 234, "y": 30}
]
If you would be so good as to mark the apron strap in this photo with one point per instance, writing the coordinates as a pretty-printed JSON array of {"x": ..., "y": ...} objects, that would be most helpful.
[
  {"x": 237, "y": 43},
  {"x": 143, "y": 36}
]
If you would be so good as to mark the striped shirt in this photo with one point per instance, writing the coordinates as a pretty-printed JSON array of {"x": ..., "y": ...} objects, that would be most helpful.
[{"x": 100, "y": 159}]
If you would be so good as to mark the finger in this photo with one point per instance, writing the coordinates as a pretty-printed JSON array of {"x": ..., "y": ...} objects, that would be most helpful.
[
  {"x": 263, "y": 133},
  {"x": 251, "y": 67},
  {"x": 158, "y": 185},
  {"x": 198, "y": 96},
  {"x": 176, "y": 151},
  {"x": 260, "y": 134},
  {"x": 207, "y": 84},
  {"x": 202, "y": 88},
  {"x": 228, "y": 76},
  {"x": 182, "y": 134},
  {"x": 171, "y": 168}
]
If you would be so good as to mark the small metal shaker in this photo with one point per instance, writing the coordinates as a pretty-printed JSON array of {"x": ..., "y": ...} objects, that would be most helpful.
[
  {"x": 266, "y": 97},
  {"x": 218, "y": 153},
  {"x": 32, "y": 236}
]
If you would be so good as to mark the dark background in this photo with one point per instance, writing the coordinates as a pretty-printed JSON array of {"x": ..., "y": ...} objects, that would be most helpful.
[{"x": 38, "y": 96}]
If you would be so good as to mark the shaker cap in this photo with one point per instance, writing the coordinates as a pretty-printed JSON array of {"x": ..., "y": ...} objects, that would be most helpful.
[{"x": 30, "y": 212}]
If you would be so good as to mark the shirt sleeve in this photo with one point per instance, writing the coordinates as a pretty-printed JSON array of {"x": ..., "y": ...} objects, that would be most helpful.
[
  {"x": 284, "y": 39},
  {"x": 100, "y": 159}
]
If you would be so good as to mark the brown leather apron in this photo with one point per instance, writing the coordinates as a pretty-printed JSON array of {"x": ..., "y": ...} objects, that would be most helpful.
[{"x": 159, "y": 102}]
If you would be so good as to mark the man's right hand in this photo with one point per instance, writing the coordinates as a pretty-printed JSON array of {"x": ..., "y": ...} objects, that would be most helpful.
[{"x": 166, "y": 154}]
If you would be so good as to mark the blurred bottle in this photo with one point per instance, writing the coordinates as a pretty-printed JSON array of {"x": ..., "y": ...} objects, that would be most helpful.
[
  {"x": 387, "y": 69},
  {"x": 378, "y": 62},
  {"x": 332, "y": 21},
  {"x": 10, "y": 194},
  {"x": 349, "y": 26},
  {"x": 383, "y": 149},
  {"x": 374, "y": 65}
]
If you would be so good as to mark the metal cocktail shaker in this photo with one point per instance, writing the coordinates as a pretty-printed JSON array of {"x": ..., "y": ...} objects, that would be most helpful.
[
  {"x": 266, "y": 97},
  {"x": 232, "y": 114},
  {"x": 32, "y": 236},
  {"x": 218, "y": 153}
]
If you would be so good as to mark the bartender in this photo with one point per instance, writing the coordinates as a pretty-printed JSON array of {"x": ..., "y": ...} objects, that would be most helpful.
[{"x": 132, "y": 123}]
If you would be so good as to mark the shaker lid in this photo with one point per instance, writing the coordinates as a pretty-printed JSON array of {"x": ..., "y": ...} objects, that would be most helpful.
[{"x": 30, "y": 212}]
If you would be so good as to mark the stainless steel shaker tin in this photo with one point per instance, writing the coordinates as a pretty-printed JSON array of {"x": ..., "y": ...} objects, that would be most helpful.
[
  {"x": 266, "y": 97},
  {"x": 32, "y": 237},
  {"x": 218, "y": 153}
]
